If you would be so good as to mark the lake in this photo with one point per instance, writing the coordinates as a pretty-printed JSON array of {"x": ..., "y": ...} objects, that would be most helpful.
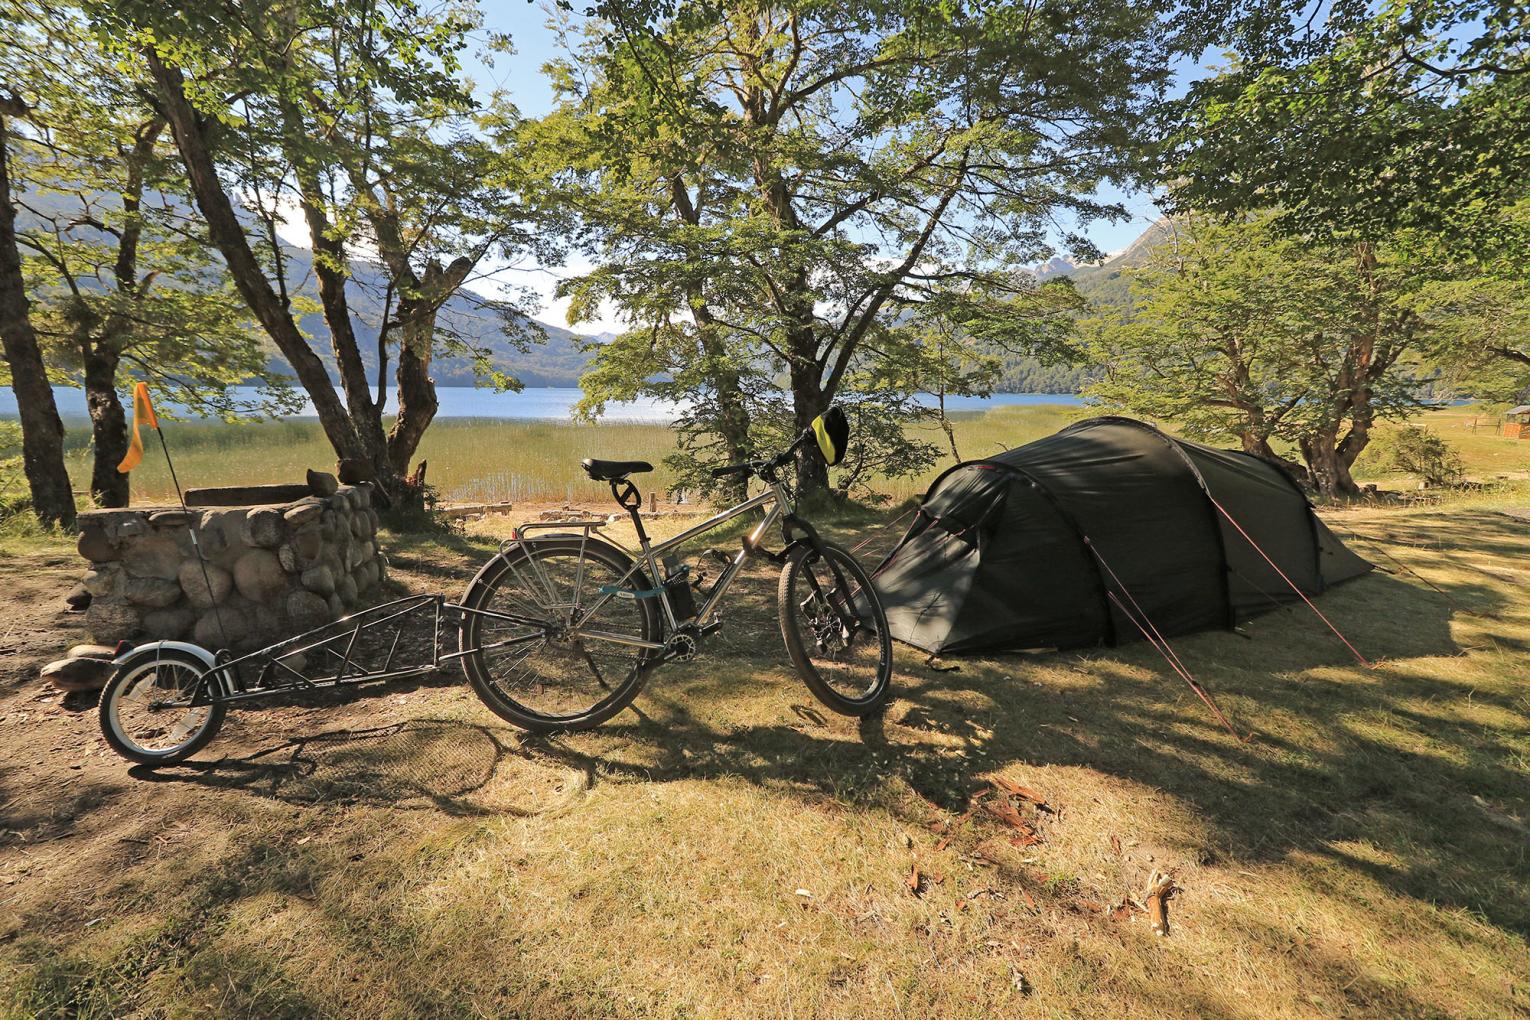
[{"x": 553, "y": 403}]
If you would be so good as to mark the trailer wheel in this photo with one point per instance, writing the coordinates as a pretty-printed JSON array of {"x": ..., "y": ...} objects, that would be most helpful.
[{"x": 144, "y": 712}]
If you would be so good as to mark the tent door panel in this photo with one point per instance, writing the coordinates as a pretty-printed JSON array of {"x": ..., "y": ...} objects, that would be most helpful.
[{"x": 1034, "y": 586}]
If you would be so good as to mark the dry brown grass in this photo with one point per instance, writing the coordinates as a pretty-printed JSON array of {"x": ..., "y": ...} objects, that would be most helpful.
[{"x": 404, "y": 854}]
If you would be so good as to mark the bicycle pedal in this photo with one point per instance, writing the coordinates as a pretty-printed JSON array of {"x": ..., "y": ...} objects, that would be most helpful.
[
  {"x": 720, "y": 556},
  {"x": 711, "y": 628}
]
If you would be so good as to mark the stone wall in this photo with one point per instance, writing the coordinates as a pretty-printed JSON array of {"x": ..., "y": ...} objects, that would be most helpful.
[{"x": 272, "y": 570}]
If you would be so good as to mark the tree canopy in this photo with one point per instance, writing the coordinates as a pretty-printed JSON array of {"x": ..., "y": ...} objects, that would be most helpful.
[
  {"x": 771, "y": 189},
  {"x": 357, "y": 113},
  {"x": 1367, "y": 120},
  {"x": 1235, "y": 330},
  {"x": 121, "y": 275}
]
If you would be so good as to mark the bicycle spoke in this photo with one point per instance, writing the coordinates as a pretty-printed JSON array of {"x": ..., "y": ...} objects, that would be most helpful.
[
  {"x": 839, "y": 642},
  {"x": 558, "y": 676}
]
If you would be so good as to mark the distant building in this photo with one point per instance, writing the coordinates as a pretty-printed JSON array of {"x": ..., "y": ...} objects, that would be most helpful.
[{"x": 1516, "y": 424}]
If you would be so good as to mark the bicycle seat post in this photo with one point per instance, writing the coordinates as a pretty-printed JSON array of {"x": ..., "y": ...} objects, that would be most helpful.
[{"x": 631, "y": 500}]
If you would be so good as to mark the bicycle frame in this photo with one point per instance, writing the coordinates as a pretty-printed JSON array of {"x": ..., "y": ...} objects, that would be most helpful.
[{"x": 775, "y": 498}]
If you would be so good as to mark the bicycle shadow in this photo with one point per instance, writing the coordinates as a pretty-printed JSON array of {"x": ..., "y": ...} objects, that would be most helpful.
[
  {"x": 1336, "y": 778},
  {"x": 422, "y": 764}
]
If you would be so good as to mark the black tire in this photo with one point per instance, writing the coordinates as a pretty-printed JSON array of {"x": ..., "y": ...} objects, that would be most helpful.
[
  {"x": 503, "y": 585},
  {"x": 123, "y": 713},
  {"x": 850, "y": 678}
]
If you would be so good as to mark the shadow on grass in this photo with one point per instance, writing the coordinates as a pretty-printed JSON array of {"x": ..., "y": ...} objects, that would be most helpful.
[
  {"x": 429, "y": 764},
  {"x": 1341, "y": 757}
]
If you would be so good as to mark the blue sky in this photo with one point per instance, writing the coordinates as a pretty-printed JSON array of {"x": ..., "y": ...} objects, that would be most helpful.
[{"x": 520, "y": 75}]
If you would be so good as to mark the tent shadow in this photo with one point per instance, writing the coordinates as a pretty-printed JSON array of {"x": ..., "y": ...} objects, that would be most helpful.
[{"x": 1343, "y": 777}]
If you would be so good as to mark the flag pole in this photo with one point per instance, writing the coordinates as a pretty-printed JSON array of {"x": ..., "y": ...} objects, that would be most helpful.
[{"x": 191, "y": 528}]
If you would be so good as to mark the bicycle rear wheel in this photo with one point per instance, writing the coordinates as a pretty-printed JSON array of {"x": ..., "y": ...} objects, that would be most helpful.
[
  {"x": 835, "y": 630},
  {"x": 523, "y": 656}
]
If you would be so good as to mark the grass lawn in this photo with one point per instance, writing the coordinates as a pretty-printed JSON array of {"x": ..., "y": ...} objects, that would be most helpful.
[{"x": 729, "y": 849}]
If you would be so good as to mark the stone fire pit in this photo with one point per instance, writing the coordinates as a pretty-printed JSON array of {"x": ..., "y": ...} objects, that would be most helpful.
[{"x": 281, "y": 559}]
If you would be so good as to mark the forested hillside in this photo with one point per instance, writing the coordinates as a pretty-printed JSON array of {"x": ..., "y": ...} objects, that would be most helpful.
[{"x": 534, "y": 352}]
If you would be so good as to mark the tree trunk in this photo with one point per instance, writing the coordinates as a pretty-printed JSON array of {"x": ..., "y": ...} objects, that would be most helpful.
[
  {"x": 331, "y": 270},
  {"x": 419, "y": 303},
  {"x": 417, "y": 403},
  {"x": 109, "y": 430},
  {"x": 228, "y": 234},
  {"x": 42, "y": 432},
  {"x": 101, "y": 355},
  {"x": 733, "y": 421},
  {"x": 1328, "y": 469},
  {"x": 1259, "y": 446}
]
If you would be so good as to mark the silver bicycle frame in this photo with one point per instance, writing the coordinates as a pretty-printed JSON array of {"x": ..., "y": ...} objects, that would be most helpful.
[{"x": 775, "y": 498}]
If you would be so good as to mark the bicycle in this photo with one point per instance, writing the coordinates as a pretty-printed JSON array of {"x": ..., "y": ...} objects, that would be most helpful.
[
  {"x": 538, "y": 620},
  {"x": 591, "y": 602}
]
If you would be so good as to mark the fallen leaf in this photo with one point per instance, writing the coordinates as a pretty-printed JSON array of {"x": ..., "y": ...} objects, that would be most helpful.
[
  {"x": 953, "y": 829},
  {"x": 1115, "y": 844},
  {"x": 1005, "y": 811},
  {"x": 914, "y": 881},
  {"x": 1014, "y": 789},
  {"x": 305, "y": 839},
  {"x": 1030, "y": 900},
  {"x": 805, "y": 893},
  {"x": 1123, "y": 910}
]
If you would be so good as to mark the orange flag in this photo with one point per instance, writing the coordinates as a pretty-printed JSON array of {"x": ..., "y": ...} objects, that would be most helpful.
[{"x": 143, "y": 414}]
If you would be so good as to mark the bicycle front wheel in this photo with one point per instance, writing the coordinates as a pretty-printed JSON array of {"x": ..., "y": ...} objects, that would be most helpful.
[
  {"x": 835, "y": 630},
  {"x": 526, "y": 651}
]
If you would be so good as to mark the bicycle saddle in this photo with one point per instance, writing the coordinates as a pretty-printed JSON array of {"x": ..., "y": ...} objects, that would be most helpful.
[{"x": 613, "y": 470}]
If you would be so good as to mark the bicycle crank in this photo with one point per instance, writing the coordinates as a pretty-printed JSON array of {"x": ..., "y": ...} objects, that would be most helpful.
[{"x": 680, "y": 648}]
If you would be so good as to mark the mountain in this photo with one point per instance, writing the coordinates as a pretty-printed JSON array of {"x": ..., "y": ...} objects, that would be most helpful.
[
  {"x": 562, "y": 355},
  {"x": 1104, "y": 283},
  {"x": 478, "y": 321},
  {"x": 1053, "y": 267},
  {"x": 558, "y": 360}
]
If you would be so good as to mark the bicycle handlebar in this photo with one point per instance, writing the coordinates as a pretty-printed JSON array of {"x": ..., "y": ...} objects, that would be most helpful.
[
  {"x": 753, "y": 467},
  {"x": 733, "y": 469}
]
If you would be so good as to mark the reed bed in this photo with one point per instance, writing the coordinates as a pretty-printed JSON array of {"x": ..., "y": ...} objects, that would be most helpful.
[{"x": 475, "y": 460}]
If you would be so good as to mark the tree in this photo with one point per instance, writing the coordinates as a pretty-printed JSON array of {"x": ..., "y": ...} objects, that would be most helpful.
[
  {"x": 1479, "y": 314},
  {"x": 120, "y": 277},
  {"x": 1235, "y": 329},
  {"x": 355, "y": 112},
  {"x": 1375, "y": 121},
  {"x": 42, "y": 431},
  {"x": 1404, "y": 122},
  {"x": 1481, "y": 333},
  {"x": 771, "y": 188}
]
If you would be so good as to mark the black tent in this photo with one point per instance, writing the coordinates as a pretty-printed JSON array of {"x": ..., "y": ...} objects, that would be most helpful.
[{"x": 1085, "y": 536}]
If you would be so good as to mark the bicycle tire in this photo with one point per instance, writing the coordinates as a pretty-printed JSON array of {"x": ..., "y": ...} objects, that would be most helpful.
[
  {"x": 490, "y": 580},
  {"x": 866, "y": 601},
  {"x": 133, "y": 671}
]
